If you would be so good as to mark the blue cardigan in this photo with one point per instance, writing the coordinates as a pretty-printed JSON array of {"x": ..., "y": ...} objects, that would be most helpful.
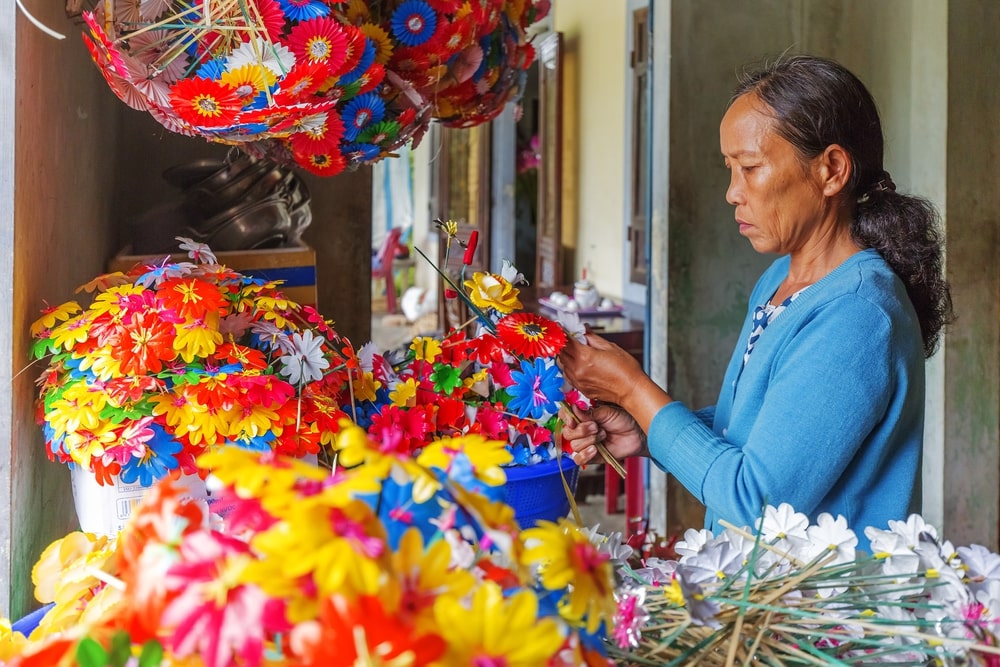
[{"x": 827, "y": 414}]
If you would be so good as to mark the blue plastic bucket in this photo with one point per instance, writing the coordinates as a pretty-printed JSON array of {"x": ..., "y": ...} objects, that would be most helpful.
[{"x": 536, "y": 492}]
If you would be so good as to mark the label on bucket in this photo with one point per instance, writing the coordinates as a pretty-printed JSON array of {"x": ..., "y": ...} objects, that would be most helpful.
[{"x": 104, "y": 510}]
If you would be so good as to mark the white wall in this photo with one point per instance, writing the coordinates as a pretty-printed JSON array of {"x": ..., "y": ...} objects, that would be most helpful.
[{"x": 593, "y": 151}]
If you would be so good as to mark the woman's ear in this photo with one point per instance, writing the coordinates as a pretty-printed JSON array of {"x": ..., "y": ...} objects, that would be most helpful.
[{"x": 834, "y": 169}]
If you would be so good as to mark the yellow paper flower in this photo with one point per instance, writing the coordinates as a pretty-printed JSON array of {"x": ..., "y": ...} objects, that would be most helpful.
[
  {"x": 426, "y": 349},
  {"x": 405, "y": 393},
  {"x": 197, "y": 339},
  {"x": 11, "y": 643},
  {"x": 53, "y": 316},
  {"x": 420, "y": 574},
  {"x": 485, "y": 456},
  {"x": 493, "y": 630},
  {"x": 341, "y": 548},
  {"x": 488, "y": 290},
  {"x": 568, "y": 560},
  {"x": 72, "y": 332}
]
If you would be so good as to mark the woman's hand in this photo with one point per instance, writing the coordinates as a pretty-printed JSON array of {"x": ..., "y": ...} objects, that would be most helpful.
[
  {"x": 606, "y": 373},
  {"x": 603, "y": 423},
  {"x": 600, "y": 369}
]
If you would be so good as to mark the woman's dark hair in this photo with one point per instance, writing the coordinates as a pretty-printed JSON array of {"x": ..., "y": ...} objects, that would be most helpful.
[{"x": 817, "y": 102}]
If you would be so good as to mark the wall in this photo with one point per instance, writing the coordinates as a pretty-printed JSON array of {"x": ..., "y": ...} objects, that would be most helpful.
[
  {"x": 927, "y": 64},
  {"x": 593, "y": 151},
  {"x": 971, "y": 388}
]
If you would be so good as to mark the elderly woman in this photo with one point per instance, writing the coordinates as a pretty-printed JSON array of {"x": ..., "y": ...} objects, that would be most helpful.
[{"x": 822, "y": 404}]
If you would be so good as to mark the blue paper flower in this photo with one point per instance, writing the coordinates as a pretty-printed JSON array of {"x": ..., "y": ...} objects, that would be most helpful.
[
  {"x": 361, "y": 112},
  {"x": 211, "y": 69},
  {"x": 367, "y": 58},
  {"x": 413, "y": 22},
  {"x": 536, "y": 390},
  {"x": 301, "y": 10},
  {"x": 258, "y": 443},
  {"x": 359, "y": 152},
  {"x": 158, "y": 461}
]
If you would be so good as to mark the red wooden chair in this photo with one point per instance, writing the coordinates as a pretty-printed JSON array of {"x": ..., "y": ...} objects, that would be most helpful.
[{"x": 382, "y": 267}]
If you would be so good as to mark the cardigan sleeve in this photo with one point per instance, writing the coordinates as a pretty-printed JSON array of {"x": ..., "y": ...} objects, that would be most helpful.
[
  {"x": 829, "y": 384},
  {"x": 706, "y": 415}
]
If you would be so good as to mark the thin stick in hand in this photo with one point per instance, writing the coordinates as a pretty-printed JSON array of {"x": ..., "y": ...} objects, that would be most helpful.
[{"x": 610, "y": 460}]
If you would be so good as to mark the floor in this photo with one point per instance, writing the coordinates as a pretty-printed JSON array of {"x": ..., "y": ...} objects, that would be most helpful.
[{"x": 390, "y": 331}]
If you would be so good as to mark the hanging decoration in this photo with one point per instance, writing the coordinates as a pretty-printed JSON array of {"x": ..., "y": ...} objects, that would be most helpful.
[{"x": 322, "y": 84}]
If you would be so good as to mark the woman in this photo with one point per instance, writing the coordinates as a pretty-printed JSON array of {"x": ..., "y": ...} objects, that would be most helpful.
[{"x": 822, "y": 403}]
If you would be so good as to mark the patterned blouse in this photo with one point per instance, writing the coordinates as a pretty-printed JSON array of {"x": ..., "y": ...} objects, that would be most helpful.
[{"x": 763, "y": 316}]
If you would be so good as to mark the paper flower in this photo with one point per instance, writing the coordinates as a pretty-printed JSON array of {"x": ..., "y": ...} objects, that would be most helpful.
[{"x": 180, "y": 357}]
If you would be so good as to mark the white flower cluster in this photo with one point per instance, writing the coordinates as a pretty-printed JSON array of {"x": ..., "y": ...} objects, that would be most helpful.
[{"x": 915, "y": 594}]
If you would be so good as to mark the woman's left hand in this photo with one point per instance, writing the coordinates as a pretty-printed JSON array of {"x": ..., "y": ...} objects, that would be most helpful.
[
  {"x": 601, "y": 370},
  {"x": 607, "y": 373}
]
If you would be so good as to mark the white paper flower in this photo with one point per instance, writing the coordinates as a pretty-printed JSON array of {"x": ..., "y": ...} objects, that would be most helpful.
[
  {"x": 912, "y": 529},
  {"x": 656, "y": 571},
  {"x": 832, "y": 535},
  {"x": 715, "y": 563},
  {"x": 258, "y": 51},
  {"x": 306, "y": 362},
  {"x": 199, "y": 252},
  {"x": 897, "y": 558},
  {"x": 981, "y": 564},
  {"x": 694, "y": 541},
  {"x": 783, "y": 527}
]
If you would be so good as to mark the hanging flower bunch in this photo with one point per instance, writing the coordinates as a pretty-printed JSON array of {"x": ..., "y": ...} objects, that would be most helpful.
[
  {"x": 792, "y": 592},
  {"x": 468, "y": 58},
  {"x": 497, "y": 376},
  {"x": 174, "y": 359},
  {"x": 324, "y": 84},
  {"x": 305, "y": 573}
]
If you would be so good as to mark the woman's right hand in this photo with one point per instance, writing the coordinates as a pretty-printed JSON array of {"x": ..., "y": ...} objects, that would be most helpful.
[{"x": 603, "y": 423}]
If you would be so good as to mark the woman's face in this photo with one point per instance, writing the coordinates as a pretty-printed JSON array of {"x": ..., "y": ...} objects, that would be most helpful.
[{"x": 779, "y": 203}]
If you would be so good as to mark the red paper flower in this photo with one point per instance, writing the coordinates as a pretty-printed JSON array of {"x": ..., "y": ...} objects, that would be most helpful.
[
  {"x": 322, "y": 164},
  {"x": 317, "y": 133},
  {"x": 529, "y": 336},
  {"x": 303, "y": 81},
  {"x": 356, "y": 41},
  {"x": 272, "y": 17},
  {"x": 205, "y": 103},
  {"x": 350, "y": 632},
  {"x": 149, "y": 342},
  {"x": 320, "y": 38}
]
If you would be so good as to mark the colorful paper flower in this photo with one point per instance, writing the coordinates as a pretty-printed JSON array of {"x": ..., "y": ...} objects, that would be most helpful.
[
  {"x": 413, "y": 22},
  {"x": 320, "y": 39},
  {"x": 536, "y": 390},
  {"x": 205, "y": 103},
  {"x": 530, "y": 335},
  {"x": 362, "y": 111},
  {"x": 301, "y": 10}
]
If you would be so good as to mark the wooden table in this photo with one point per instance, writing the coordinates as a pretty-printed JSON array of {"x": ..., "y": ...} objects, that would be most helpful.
[{"x": 626, "y": 329}]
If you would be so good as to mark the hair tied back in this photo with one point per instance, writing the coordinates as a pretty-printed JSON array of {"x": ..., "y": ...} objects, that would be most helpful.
[{"x": 884, "y": 185}]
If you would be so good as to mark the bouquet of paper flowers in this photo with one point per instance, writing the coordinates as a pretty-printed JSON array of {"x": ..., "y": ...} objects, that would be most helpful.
[
  {"x": 324, "y": 84},
  {"x": 305, "y": 573},
  {"x": 794, "y": 593},
  {"x": 495, "y": 376},
  {"x": 177, "y": 358}
]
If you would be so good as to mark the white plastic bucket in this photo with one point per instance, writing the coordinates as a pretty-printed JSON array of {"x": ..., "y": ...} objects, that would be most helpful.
[{"x": 104, "y": 510}]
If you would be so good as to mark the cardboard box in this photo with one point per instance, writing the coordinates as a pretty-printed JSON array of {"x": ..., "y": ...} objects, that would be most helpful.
[{"x": 295, "y": 266}]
